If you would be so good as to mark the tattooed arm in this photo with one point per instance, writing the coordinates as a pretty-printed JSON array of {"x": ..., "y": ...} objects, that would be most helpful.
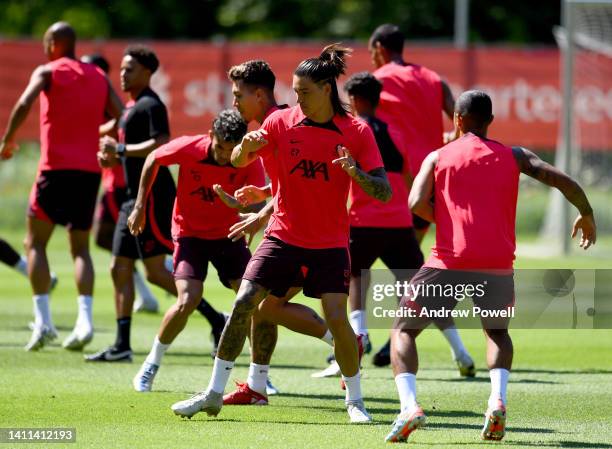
[
  {"x": 533, "y": 166},
  {"x": 374, "y": 182}
]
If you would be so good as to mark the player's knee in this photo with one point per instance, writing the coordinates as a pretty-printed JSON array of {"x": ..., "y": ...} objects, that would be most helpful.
[
  {"x": 187, "y": 302},
  {"x": 120, "y": 272},
  {"x": 245, "y": 304}
]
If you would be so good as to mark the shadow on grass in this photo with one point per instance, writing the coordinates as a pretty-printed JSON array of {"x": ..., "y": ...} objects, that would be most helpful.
[
  {"x": 487, "y": 380},
  {"x": 549, "y": 371},
  {"x": 505, "y": 442},
  {"x": 439, "y": 425}
]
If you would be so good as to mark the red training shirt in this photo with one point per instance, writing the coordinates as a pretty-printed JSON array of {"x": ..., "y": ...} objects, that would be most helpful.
[
  {"x": 71, "y": 112},
  {"x": 411, "y": 104},
  {"x": 476, "y": 189},
  {"x": 310, "y": 203},
  {"x": 198, "y": 211}
]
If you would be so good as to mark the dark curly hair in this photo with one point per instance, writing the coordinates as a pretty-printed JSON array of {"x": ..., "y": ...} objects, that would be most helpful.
[
  {"x": 254, "y": 73},
  {"x": 229, "y": 126},
  {"x": 144, "y": 55},
  {"x": 364, "y": 85}
]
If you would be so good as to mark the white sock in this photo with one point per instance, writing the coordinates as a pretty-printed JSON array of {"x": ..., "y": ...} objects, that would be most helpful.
[
  {"x": 84, "y": 319},
  {"x": 258, "y": 375},
  {"x": 157, "y": 352},
  {"x": 22, "y": 266},
  {"x": 353, "y": 387},
  {"x": 220, "y": 375},
  {"x": 141, "y": 286},
  {"x": 42, "y": 312},
  {"x": 454, "y": 340},
  {"x": 406, "y": 388},
  {"x": 169, "y": 264},
  {"x": 358, "y": 322},
  {"x": 328, "y": 338},
  {"x": 499, "y": 384}
]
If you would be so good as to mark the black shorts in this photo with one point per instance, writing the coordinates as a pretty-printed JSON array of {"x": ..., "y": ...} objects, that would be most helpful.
[
  {"x": 110, "y": 205},
  {"x": 396, "y": 247},
  {"x": 192, "y": 254},
  {"x": 420, "y": 224},
  {"x": 156, "y": 237},
  {"x": 277, "y": 266},
  {"x": 440, "y": 290},
  {"x": 65, "y": 197}
]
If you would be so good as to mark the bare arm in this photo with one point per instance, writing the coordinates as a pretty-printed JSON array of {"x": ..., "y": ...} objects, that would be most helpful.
[
  {"x": 40, "y": 79},
  {"x": 109, "y": 128},
  {"x": 137, "y": 218},
  {"x": 141, "y": 149},
  {"x": 374, "y": 182},
  {"x": 419, "y": 199},
  {"x": 232, "y": 202},
  {"x": 531, "y": 165},
  {"x": 448, "y": 101},
  {"x": 246, "y": 151},
  {"x": 251, "y": 223},
  {"x": 114, "y": 105}
]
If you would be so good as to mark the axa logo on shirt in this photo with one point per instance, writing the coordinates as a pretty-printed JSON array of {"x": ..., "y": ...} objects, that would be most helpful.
[
  {"x": 311, "y": 169},
  {"x": 205, "y": 193}
]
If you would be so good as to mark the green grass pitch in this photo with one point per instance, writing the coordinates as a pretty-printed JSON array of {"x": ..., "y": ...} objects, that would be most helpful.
[{"x": 560, "y": 391}]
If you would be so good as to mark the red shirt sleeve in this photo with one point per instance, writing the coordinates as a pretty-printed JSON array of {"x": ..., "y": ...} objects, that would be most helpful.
[
  {"x": 365, "y": 150},
  {"x": 177, "y": 151}
]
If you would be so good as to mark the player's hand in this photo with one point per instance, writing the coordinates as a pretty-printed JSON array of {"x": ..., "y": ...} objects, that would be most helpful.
[
  {"x": 106, "y": 160},
  {"x": 108, "y": 145},
  {"x": 250, "y": 224},
  {"x": 249, "y": 195},
  {"x": 227, "y": 199},
  {"x": 137, "y": 220},
  {"x": 254, "y": 140},
  {"x": 588, "y": 229},
  {"x": 7, "y": 149},
  {"x": 346, "y": 161}
]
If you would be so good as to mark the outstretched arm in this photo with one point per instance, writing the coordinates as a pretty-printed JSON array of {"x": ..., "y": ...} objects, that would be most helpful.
[
  {"x": 374, "y": 182},
  {"x": 422, "y": 190},
  {"x": 39, "y": 80},
  {"x": 232, "y": 202},
  {"x": 138, "y": 217},
  {"x": 531, "y": 165}
]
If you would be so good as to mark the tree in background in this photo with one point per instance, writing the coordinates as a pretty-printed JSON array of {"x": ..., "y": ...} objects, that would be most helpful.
[{"x": 518, "y": 21}]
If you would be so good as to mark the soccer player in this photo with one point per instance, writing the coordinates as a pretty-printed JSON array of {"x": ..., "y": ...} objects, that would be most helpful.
[
  {"x": 253, "y": 89},
  {"x": 113, "y": 196},
  {"x": 310, "y": 147},
  {"x": 474, "y": 181},
  {"x": 142, "y": 128},
  {"x": 68, "y": 177},
  {"x": 384, "y": 230},
  {"x": 412, "y": 102},
  {"x": 200, "y": 222}
]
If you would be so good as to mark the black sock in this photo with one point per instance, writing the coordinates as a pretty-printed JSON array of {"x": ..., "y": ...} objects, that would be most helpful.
[
  {"x": 122, "y": 342},
  {"x": 215, "y": 318},
  {"x": 8, "y": 255}
]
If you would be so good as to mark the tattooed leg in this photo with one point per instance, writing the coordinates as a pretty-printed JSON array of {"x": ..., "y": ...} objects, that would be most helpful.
[
  {"x": 264, "y": 335},
  {"x": 237, "y": 327}
]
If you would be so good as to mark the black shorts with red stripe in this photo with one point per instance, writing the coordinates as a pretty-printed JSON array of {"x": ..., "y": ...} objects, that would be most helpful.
[
  {"x": 110, "y": 205},
  {"x": 278, "y": 266},
  {"x": 65, "y": 197},
  {"x": 156, "y": 238}
]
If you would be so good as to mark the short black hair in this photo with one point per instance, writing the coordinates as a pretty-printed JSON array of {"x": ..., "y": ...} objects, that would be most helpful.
[
  {"x": 254, "y": 73},
  {"x": 389, "y": 36},
  {"x": 97, "y": 59},
  {"x": 364, "y": 85},
  {"x": 477, "y": 104},
  {"x": 144, "y": 55},
  {"x": 229, "y": 126}
]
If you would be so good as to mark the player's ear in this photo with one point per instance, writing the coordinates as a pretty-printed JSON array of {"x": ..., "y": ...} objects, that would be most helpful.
[{"x": 210, "y": 134}]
